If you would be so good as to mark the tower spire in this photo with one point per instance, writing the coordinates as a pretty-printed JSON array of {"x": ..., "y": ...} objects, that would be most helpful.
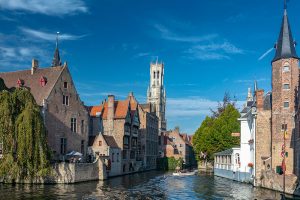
[
  {"x": 285, "y": 45},
  {"x": 56, "y": 59}
]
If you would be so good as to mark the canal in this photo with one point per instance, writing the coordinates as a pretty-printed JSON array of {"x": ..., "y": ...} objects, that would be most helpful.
[{"x": 149, "y": 185}]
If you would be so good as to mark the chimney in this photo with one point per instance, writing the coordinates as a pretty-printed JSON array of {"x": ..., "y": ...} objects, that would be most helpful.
[
  {"x": 260, "y": 100},
  {"x": 34, "y": 66},
  {"x": 111, "y": 113}
]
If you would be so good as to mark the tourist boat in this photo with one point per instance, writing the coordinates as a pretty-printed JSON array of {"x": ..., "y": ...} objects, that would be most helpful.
[{"x": 185, "y": 173}]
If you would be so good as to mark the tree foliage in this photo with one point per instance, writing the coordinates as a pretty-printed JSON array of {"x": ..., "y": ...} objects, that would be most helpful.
[
  {"x": 214, "y": 134},
  {"x": 22, "y": 132}
]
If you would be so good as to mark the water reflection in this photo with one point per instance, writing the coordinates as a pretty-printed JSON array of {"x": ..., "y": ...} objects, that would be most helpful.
[{"x": 150, "y": 185}]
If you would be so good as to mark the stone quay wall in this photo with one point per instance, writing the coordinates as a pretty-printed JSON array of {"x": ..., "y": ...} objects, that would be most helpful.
[
  {"x": 273, "y": 181},
  {"x": 77, "y": 172}
]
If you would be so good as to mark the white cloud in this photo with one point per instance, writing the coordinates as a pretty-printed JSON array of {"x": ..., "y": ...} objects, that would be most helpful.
[
  {"x": 169, "y": 35},
  {"x": 47, "y": 7},
  {"x": 19, "y": 57},
  {"x": 265, "y": 54},
  {"x": 213, "y": 51},
  {"x": 49, "y": 36},
  {"x": 192, "y": 107},
  {"x": 251, "y": 81}
]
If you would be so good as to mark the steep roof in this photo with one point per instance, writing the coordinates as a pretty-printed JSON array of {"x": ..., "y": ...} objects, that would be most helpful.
[
  {"x": 285, "y": 46},
  {"x": 32, "y": 81},
  {"x": 110, "y": 140},
  {"x": 121, "y": 109}
]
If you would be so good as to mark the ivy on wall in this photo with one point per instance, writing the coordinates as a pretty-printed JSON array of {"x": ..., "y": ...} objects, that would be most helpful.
[{"x": 22, "y": 132}]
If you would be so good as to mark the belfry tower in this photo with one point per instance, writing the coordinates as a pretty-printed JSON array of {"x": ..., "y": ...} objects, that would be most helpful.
[
  {"x": 285, "y": 82},
  {"x": 156, "y": 94}
]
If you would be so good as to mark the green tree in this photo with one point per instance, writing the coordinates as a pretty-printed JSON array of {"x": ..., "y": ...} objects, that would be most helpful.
[
  {"x": 214, "y": 134},
  {"x": 22, "y": 132}
]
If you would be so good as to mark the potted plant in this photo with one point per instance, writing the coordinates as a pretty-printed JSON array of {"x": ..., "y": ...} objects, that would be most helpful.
[{"x": 250, "y": 165}]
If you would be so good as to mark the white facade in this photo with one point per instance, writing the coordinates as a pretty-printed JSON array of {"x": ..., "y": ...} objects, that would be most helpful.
[
  {"x": 243, "y": 170},
  {"x": 156, "y": 94}
]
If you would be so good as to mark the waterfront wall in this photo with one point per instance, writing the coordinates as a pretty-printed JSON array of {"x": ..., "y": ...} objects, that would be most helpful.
[
  {"x": 77, "y": 172},
  {"x": 237, "y": 176},
  {"x": 273, "y": 181}
]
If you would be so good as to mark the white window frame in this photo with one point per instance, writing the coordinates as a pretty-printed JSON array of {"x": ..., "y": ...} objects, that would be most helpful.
[
  {"x": 73, "y": 124},
  {"x": 286, "y": 84},
  {"x": 66, "y": 100}
]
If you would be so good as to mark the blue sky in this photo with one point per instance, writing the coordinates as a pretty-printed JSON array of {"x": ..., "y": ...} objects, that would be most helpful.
[{"x": 208, "y": 47}]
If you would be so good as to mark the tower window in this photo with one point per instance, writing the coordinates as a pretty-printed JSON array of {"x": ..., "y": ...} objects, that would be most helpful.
[
  {"x": 154, "y": 75},
  {"x": 286, "y": 68},
  {"x": 284, "y": 127},
  {"x": 286, "y": 104},
  {"x": 286, "y": 86},
  {"x": 158, "y": 74}
]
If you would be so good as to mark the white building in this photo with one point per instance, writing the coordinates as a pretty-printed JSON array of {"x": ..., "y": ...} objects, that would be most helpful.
[{"x": 238, "y": 163}]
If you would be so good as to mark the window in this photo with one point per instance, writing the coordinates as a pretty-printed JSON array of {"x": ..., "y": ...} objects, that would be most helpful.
[
  {"x": 124, "y": 167},
  {"x": 73, "y": 125},
  {"x": 118, "y": 157},
  {"x": 286, "y": 68},
  {"x": 82, "y": 147},
  {"x": 126, "y": 142},
  {"x": 132, "y": 154},
  {"x": 100, "y": 143},
  {"x": 124, "y": 154},
  {"x": 159, "y": 140},
  {"x": 63, "y": 146},
  {"x": 113, "y": 157},
  {"x": 158, "y": 75},
  {"x": 65, "y": 100},
  {"x": 286, "y": 104},
  {"x": 154, "y": 75},
  {"x": 180, "y": 145},
  {"x": 284, "y": 127},
  {"x": 65, "y": 85},
  {"x": 82, "y": 126},
  {"x": 127, "y": 129},
  {"x": 286, "y": 86},
  {"x": 133, "y": 142}
]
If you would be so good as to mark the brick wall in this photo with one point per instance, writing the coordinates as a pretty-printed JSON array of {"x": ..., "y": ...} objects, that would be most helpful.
[{"x": 58, "y": 117}]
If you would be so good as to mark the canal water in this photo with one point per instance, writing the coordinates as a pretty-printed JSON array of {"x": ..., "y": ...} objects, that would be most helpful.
[{"x": 149, "y": 185}]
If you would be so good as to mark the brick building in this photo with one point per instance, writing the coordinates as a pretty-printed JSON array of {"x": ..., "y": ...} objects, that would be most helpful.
[
  {"x": 65, "y": 116},
  {"x": 119, "y": 120},
  {"x": 148, "y": 136},
  {"x": 178, "y": 145},
  {"x": 285, "y": 83}
]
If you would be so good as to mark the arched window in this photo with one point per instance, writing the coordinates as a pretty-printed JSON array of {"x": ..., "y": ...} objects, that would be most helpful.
[
  {"x": 154, "y": 75},
  {"x": 158, "y": 74}
]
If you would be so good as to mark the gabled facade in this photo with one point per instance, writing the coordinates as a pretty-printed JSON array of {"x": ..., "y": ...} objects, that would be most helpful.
[
  {"x": 65, "y": 116},
  {"x": 177, "y": 145},
  {"x": 120, "y": 120}
]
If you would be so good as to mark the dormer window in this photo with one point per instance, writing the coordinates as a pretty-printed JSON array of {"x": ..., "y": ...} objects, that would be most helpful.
[
  {"x": 20, "y": 83},
  {"x": 43, "y": 81},
  {"x": 65, "y": 85}
]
